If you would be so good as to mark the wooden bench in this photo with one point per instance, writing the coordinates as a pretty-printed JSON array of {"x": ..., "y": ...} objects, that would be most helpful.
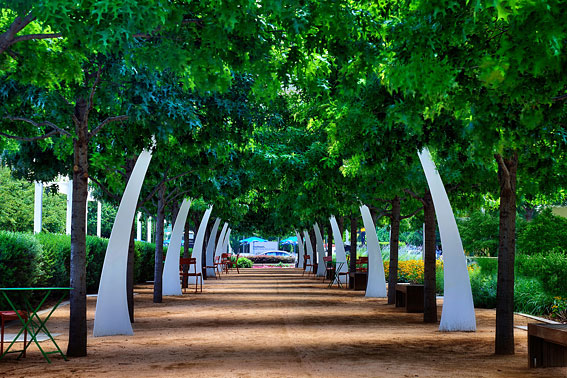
[
  {"x": 547, "y": 345},
  {"x": 358, "y": 280},
  {"x": 410, "y": 296}
]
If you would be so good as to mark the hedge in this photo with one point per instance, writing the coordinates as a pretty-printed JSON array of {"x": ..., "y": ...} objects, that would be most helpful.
[
  {"x": 18, "y": 262},
  {"x": 44, "y": 259},
  {"x": 263, "y": 259}
]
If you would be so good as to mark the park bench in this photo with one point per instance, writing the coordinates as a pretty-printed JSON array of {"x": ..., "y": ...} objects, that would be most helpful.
[
  {"x": 359, "y": 278},
  {"x": 547, "y": 345},
  {"x": 410, "y": 296}
]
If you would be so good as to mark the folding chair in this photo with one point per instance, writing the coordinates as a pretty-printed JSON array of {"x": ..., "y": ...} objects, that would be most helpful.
[
  {"x": 190, "y": 262},
  {"x": 362, "y": 264},
  {"x": 7, "y": 316},
  {"x": 215, "y": 267},
  {"x": 329, "y": 268},
  {"x": 232, "y": 264},
  {"x": 224, "y": 262},
  {"x": 307, "y": 260}
]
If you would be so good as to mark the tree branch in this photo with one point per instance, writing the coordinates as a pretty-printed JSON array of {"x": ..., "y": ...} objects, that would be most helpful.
[
  {"x": 154, "y": 190},
  {"x": 104, "y": 188},
  {"x": 412, "y": 214},
  {"x": 30, "y": 139},
  {"x": 35, "y": 36},
  {"x": 93, "y": 91},
  {"x": 415, "y": 196},
  {"x": 103, "y": 123},
  {"x": 55, "y": 128},
  {"x": 558, "y": 98},
  {"x": 177, "y": 195},
  {"x": 121, "y": 173},
  {"x": 504, "y": 170},
  {"x": 179, "y": 175},
  {"x": 170, "y": 195}
]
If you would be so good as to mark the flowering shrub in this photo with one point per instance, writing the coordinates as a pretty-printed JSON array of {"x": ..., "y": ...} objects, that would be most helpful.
[
  {"x": 559, "y": 309},
  {"x": 411, "y": 271}
]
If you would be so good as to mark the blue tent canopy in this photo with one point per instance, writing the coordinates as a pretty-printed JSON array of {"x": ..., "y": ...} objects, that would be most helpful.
[
  {"x": 290, "y": 240},
  {"x": 252, "y": 239}
]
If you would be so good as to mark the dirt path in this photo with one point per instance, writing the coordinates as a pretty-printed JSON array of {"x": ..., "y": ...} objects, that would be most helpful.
[{"x": 275, "y": 323}]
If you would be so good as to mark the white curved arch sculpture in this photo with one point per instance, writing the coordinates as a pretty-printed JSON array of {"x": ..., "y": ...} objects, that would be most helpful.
[
  {"x": 321, "y": 268},
  {"x": 198, "y": 246},
  {"x": 458, "y": 308},
  {"x": 221, "y": 242},
  {"x": 111, "y": 315},
  {"x": 226, "y": 244},
  {"x": 376, "y": 285},
  {"x": 339, "y": 248},
  {"x": 170, "y": 275},
  {"x": 209, "y": 253},
  {"x": 309, "y": 247},
  {"x": 300, "y": 251}
]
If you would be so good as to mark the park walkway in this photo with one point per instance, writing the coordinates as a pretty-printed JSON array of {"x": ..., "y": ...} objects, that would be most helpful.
[{"x": 276, "y": 323}]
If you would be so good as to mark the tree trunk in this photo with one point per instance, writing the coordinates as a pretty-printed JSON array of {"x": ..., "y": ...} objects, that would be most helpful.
[
  {"x": 130, "y": 164},
  {"x": 429, "y": 300},
  {"x": 341, "y": 224},
  {"x": 158, "y": 264},
  {"x": 186, "y": 243},
  {"x": 507, "y": 168},
  {"x": 329, "y": 239},
  {"x": 77, "y": 346},
  {"x": 374, "y": 215},
  {"x": 394, "y": 241},
  {"x": 353, "y": 228},
  {"x": 313, "y": 241}
]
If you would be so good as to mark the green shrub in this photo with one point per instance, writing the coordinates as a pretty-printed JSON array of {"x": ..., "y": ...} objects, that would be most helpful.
[
  {"x": 488, "y": 265},
  {"x": 144, "y": 262},
  {"x": 18, "y": 259},
  {"x": 54, "y": 260},
  {"x": 483, "y": 287},
  {"x": 439, "y": 279},
  {"x": 544, "y": 233},
  {"x": 243, "y": 262},
  {"x": 530, "y": 297},
  {"x": 96, "y": 250},
  {"x": 550, "y": 269},
  {"x": 18, "y": 264},
  {"x": 262, "y": 259}
]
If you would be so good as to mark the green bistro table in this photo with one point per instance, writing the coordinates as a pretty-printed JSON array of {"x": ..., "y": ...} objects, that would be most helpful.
[
  {"x": 337, "y": 276},
  {"x": 34, "y": 323}
]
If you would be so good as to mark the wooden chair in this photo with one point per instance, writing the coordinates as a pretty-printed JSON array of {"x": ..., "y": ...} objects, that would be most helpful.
[
  {"x": 362, "y": 264},
  {"x": 329, "y": 268},
  {"x": 224, "y": 262},
  {"x": 7, "y": 316},
  {"x": 190, "y": 262},
  {"x": 233, "y": 264},
  {"x": 215, "y": 267},
  {"x": 308, "y": 264}
]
